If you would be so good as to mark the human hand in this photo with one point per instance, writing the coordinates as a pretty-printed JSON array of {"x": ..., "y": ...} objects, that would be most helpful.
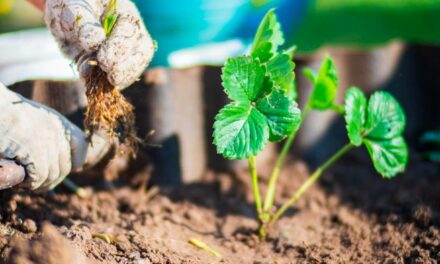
[
  {"x": 77, "y": 26},
  {"x": 44, "y": 142}
]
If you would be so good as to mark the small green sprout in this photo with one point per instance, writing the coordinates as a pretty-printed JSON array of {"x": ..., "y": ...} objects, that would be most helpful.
[
  {"x": 325, "y": 86},
  {"x": 105, "y": 237},
  {"x": 203, "y": 246},
  {"x": 110, "y": 18},
  {"x": 261, "y": 86}
]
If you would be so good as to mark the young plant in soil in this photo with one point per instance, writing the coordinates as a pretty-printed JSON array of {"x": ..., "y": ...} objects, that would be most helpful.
[{"x": 263, "y": 108}]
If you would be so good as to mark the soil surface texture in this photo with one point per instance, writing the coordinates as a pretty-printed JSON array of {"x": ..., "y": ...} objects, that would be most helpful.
[{"x": 351, "y": 215}]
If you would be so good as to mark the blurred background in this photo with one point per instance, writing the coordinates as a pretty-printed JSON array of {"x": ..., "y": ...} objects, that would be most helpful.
[{"x": 376, "y": 44}]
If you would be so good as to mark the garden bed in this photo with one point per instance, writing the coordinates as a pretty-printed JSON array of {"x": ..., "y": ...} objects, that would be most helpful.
[{"x": 350, "y": 216}]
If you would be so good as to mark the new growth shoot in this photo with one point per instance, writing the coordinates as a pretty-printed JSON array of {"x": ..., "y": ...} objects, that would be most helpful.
[
  {"x": 203, "y": 246},
  {"x": 110, "y": 17},
  {"x": 262, "y": 91}
]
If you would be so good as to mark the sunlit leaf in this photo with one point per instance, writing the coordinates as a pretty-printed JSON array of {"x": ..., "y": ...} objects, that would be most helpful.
[
  {"x": 385, "y": 117},
  {"x": 283, "y": 115},
  {"x": 389, "y": 156},
  {"x": 244, "y": 79},
  {"x": 355, "y": 111},
  {"x": 268, "y": 37},
  {"x": 379, "y": 126},
  {"x": 281, "y": 72},
  {"x": 240, "y": 131},
  {"x": 325, "y": 85}
]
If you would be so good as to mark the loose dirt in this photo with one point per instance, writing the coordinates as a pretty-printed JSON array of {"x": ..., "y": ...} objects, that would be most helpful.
[{"x": 350, "y": 216}]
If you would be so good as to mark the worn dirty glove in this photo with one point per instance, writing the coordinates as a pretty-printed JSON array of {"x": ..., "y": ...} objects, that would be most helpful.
[
  {"x": 44, "y": 142},
  {"x": 77, "y": 26}
]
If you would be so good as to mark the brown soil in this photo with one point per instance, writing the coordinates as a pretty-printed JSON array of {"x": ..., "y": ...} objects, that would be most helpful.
[{"x": 350, "y": 216}]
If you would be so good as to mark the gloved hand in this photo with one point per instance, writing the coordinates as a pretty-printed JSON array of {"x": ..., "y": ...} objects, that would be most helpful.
[
  {"x": 77, "y": 26},
  {"x": 43, "y": 141}
]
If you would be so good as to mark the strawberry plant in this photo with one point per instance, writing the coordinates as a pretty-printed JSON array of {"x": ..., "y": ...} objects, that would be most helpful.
[{"x": 262, "y": 91}]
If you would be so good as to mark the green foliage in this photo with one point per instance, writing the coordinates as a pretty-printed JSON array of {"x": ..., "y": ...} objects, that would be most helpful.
[
  {"x": 262, "y": 89},
  {"x": 240, "y": 131},
  {"x": 110, "y": 18},
  {"x": 279, "y": 65},
  {"x": 260, "y": 112},
  {"x": 366, "y": 23},
  {"x": 355, "y": 105},
  {"x": 268, "y": 37},
  {"x": 244, "y": 79},
  {"x": 379, "y": 126},
  {"x": 283, "y": 115},
  {"x": 281, "y": 72},
  {"x": 325, "y": 85}
]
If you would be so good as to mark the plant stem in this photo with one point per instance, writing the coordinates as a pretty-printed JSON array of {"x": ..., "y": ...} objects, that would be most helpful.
[
  {"x": 309, "y": 182},
  {"x": 270, "y": 194},
  {"x": 338, "y": 109},
  {"x": 255, "y": 186}
]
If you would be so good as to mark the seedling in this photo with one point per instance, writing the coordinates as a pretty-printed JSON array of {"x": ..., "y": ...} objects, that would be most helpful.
[
  {"x": 203, "y": 246},
  {"x": 263, "y": 108},
  {"x": 110, "y": 18},
  {"x": 105, "y": 237}
]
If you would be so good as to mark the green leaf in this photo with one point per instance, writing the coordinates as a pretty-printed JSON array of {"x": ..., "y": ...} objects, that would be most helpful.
[
  {"x": 240, "y": 131},
  {"x": 263, "y": 90},
  {"x": 268, "y": 37},
  {"x": 383, "y": 134},
  {"x": 109, "y": 23},
  {"x": 293, "y": 95},
  {"x": 379, "y": 126},
  {"x": 355, "y": 114},
  {"x": 244, "y": 79},
  {"x": 110, "y": 18},
  {"x": 291, "y": 50},
  {"x": 310, "y": 74},
  {"x": 385, "y": 119},
  {"x": 325, "y": 85},
  {"x": 282, "y": 113},
  {"x": 281, "y": 72},
  {"x": 389, "y": 155}
]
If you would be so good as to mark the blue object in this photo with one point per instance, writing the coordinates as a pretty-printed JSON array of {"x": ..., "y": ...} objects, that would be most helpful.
[
  {"x": 182, "y": 24},
  {"x": 289, "y": 13}
]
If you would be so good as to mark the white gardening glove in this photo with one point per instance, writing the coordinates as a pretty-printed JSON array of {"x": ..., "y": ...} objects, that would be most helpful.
[
  {"x": 77, "y": 26},
  {"x": 43, "y": 141}
]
